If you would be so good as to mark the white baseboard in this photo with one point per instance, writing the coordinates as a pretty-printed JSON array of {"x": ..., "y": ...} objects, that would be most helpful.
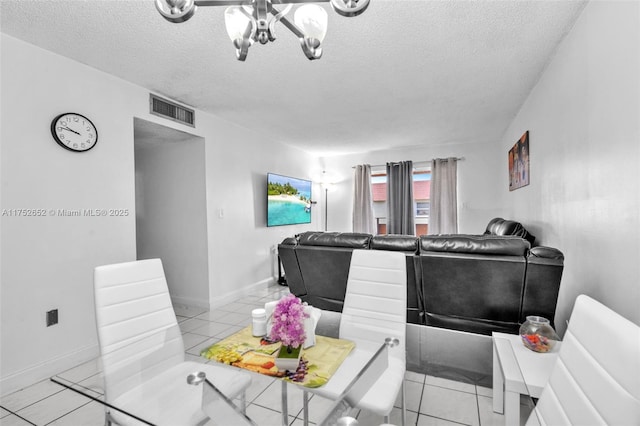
[
  {"x": 239, "y": 293},
  {"x": 46, "y": 369},
  {"x": 52, "y": 366}
]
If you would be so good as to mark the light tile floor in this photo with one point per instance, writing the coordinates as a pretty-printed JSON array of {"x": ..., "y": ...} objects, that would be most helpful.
[{"x": 431, "y": 400}]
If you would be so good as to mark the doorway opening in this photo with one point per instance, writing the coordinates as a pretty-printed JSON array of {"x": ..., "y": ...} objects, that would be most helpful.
[{"x": 171, "y": 211}]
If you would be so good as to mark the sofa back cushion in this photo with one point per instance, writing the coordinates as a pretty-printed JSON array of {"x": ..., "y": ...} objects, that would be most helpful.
[
  {"x": 409, "y": 245},
  {"x": 324, "y": 259},
  {"x": 324, "y": 272},
  {"x": 351, "y": 240},
  {"x": 502, "y": 227},
  {"x": 475, "y": 288},
  {"x": 395, "y": 243},
  {"x": 473, "y": 283},
  {"x": 475, "y": 244},
  {"x": 493, "y": 225}
]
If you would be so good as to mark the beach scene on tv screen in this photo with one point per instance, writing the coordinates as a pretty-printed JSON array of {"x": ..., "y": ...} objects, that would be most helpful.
[{"x": 289, "y": 200}]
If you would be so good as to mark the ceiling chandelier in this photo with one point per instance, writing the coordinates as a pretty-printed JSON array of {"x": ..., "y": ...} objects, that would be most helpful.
[{"x": 251, "y": 20}]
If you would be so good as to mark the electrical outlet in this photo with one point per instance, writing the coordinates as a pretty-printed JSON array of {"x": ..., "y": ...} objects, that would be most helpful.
[{"x": 52, "y": 317}]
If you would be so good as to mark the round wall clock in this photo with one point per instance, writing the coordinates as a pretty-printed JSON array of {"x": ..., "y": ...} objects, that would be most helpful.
[{"x": 74, "y": 132}]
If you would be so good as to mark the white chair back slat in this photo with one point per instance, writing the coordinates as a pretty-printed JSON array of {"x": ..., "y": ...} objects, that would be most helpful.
[
  {"x": 375, "y": 304},
  {"x": 138, "y": 332},
  {"x": 597, "y": 377}
]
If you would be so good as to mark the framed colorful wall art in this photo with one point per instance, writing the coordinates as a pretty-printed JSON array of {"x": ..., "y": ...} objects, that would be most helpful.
[{"x": 519, "y": 163}]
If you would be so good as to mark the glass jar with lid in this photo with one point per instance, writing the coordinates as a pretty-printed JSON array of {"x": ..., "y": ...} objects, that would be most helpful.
[{"x": 537, "y": 334}]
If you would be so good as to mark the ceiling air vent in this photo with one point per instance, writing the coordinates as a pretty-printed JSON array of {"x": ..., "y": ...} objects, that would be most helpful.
[{"x": 172, "y": 111}]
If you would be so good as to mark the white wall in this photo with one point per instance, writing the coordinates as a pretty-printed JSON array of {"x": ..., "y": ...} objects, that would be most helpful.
[
  {"x": 47, "y": 262},
  {"x": 583, "y": 198},
  {"x": 171, "y": 215},
  {"x": 241, "y": 247},
  {"x": 584, "y": 123},
  {"x": 477, "y": 183}
]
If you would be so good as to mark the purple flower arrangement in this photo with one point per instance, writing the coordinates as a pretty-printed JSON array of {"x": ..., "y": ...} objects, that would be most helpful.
[{"x": 288, "y": 322}]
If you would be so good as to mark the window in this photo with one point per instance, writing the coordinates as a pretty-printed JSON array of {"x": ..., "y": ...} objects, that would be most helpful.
[
  {"x": 422, "y": 209},
  {"x": 421, "y": 197}
]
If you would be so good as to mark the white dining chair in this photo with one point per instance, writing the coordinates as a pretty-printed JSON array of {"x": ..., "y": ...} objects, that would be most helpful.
[
  {"x": 375, "y": 308},
  {"x": 596, "y": 380},
  {"x": 142, "y": 350}
]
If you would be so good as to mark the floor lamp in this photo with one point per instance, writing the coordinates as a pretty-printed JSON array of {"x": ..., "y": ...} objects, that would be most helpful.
[
  {"x": 326, "y": 184},
  {"x": 326, "y": 205}
]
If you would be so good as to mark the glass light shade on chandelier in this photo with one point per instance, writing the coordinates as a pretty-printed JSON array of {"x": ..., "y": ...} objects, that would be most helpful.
[
  {"x": 241, "y": 28},
  {"x": 236, "y": 21},
  {"x": 312, "y": 20},
  {"x": 176, "y": 10},
  {"x": 250, "y": 20}
]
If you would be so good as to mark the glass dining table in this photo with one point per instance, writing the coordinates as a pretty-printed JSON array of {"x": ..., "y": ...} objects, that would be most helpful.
[{"x": 347, "y": 369}]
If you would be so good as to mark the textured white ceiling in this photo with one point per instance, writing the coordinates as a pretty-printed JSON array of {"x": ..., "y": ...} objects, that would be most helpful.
[{"x": 404, "y": 73}]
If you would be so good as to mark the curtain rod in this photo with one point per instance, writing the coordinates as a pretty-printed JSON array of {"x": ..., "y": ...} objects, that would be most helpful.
[{"x": 417, "y": 163}]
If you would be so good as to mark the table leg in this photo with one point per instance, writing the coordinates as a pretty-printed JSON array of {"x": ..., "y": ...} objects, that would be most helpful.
[
  {"x": 498, "y": 384},
  {"x": 285, "y": 408},
  {"x": 511, "y": 408},
  {"x": 305, "y": 407}
]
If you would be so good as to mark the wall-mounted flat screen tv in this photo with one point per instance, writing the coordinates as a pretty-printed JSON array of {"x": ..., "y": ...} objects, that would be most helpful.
[{"x": 288, "y": 200}]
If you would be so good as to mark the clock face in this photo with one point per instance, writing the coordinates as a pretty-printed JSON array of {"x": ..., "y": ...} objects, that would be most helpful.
[{"x": 74, "y": 132}]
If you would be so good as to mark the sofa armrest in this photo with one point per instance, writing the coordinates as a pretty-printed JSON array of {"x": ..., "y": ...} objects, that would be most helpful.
[
  {"x": 543, "y": 252},
  {"x": 542, "y": 282},
  {"x": 289, "y": 241},
  {"x": 289, "y": 259}
]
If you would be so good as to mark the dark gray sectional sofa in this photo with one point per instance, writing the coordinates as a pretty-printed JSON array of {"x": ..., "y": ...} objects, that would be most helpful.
[{"x": 470, "y": 283}]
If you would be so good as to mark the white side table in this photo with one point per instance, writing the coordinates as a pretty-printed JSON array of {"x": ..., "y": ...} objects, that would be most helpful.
[{"x": 518, "y": 371}]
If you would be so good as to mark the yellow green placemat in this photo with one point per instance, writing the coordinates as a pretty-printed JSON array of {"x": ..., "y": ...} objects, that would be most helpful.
[{"x": 245, "y": 351}]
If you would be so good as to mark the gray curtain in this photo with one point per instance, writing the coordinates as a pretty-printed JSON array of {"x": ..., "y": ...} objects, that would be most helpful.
[
  {"x": 444, "y": 199},
  {"x": 363, "y": 218},
  {"x": 400, "y": 214}
]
